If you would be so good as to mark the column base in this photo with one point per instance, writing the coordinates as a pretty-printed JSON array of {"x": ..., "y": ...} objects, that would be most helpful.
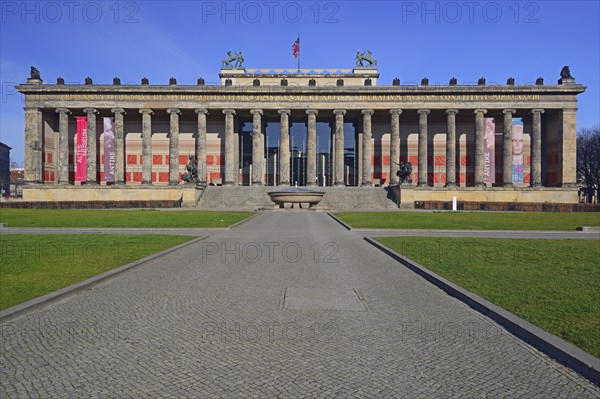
[
  {"x": 570, "y": 185},
  {"x": 450, "y": 185},
  {"x": 119, "y": 183},
  {"x": 423, "y": 185},
  {"x": 201, "y": 184},
  {"x": 338, "y": 184},
  {"x": 537, "y": 185},
  {"x": 91, "y": 183},
  {"x": 257, "y": 184},
  {"x": 480, "y": 185},
  {"x": 146, "y": 183},
  {"x": 310, "y": 184},
  {"x": 229, "y": 183},
  {"x": 173, "y": 183},
  {"x": 508, "y": 185},
  {"x": 367, "y": 184}
]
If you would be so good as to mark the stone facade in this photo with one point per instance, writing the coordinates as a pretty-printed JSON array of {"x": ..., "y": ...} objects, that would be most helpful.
[
  {"x": 312, "y": 127},
  {"x": 4, "y": 169}
]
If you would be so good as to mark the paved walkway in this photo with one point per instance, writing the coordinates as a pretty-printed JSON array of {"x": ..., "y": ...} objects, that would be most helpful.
[{"x": 286, "y": 305}]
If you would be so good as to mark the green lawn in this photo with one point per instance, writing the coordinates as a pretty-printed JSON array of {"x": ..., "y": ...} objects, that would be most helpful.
[
  {"x": 119, "y": 218},
  {"x": 470, "y": 220},
  {"x": 33, "y": 264},
  {"x": 554, "y": 284}
]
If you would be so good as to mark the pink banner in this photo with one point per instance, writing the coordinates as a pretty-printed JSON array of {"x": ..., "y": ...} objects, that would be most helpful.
[
  {"x": 81, "y": 154},
  {"x": 489, "y": 151},
  {"x": 109, "y": 151}
]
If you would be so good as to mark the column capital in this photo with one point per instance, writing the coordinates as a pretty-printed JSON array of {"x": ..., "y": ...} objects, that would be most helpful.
[
  {"x": 284, "y": 111},
  {"x": 480, "y": 111},
  {"x": 452, "y": 111},
  {"x": 424, "y": 111},
  {"x": 229, "y": 111},
  {"x": 312, "y": 112},
  {"x": 62, "y": 110},
  {"x": 339, "y": 111},
  {"x": 256, "y": 111},
  {"x": 146, "y": 111},
  {"x": 201, "y": 111},
  {"x": 366, "y": 112},
  {"x": 538, "y": 110},
  {"x": 509, "y": 111},
  {"x": 118, "y": 111},
  {"x": 396, "y": 111},
  {"x": 173, "y": 111},
  {"x": 90, "y": 110}
]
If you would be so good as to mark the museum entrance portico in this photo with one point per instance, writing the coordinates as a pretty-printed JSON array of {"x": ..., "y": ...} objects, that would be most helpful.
[{"x": 484, "y": 142}]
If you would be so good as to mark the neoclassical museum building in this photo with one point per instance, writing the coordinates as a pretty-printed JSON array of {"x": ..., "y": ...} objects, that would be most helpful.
[{"x": 325, "y": 128}]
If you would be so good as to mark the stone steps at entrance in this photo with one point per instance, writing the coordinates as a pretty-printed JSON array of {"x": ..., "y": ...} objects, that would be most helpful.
[{"x": 335, "y": 197}]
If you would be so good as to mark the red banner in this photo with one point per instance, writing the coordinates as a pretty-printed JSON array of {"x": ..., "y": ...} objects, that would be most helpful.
[
  {"x": 81, "y": 153},
  {"x": 296, "y": 48},
  {"x": 109, "y": 150},
  {"x": 489, "y": 151}
]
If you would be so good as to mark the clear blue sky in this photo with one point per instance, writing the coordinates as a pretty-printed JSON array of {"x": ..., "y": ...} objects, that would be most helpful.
[{"x": 188, "y": 39}]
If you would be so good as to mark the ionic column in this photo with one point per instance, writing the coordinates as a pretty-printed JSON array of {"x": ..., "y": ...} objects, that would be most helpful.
[
  {"x": 395, "y": 145},
  {"x": 63, "y": 145},
  {"x": 174, "y": 146},
  {"x": 146, "y": 145},
  {"x": 536, "y": 148},
  {"x": 119, "y": 146},
  {"x": 451, "y": 148},
  {"x": 230, "y": 169},
  {"x": 507, "y": 152},
  {"x": 311, "y": 147},
  {"x": 33, "y": 146},
  {"x": 339, "y": 146},
  {"x": 423, "y": 147},
  {"x": 201, "y": 146},
  {"x": 569, "y": 147},
  {"x": 257, "y": 148},
  {"x": 367, "y": 170},
  {"x": 91, "y": 146},
  {"x": 284, "y": 148},
  {"x": 479, "y": 134}
]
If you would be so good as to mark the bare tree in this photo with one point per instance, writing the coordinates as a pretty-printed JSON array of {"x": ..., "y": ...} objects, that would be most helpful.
[{"x": 588, "y": 160}]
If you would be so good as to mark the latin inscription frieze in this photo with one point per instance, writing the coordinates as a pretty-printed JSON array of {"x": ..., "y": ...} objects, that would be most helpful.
[{"x": 283, "y": 97}]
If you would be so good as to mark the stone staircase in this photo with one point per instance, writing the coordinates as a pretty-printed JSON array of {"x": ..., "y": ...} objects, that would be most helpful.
[{"x": 339, "y": 198}]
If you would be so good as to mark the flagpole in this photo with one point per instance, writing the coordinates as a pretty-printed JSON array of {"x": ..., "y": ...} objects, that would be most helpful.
[{"x": 298, "y": 53}]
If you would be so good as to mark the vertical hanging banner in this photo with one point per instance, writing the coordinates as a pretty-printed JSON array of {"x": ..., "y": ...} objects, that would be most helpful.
[
  {"x": 109, "y": 150},
  {"x": 81, "y": 153},
  {"x": 517, "y": 150},
  {"x": 489, "y": 151}
]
